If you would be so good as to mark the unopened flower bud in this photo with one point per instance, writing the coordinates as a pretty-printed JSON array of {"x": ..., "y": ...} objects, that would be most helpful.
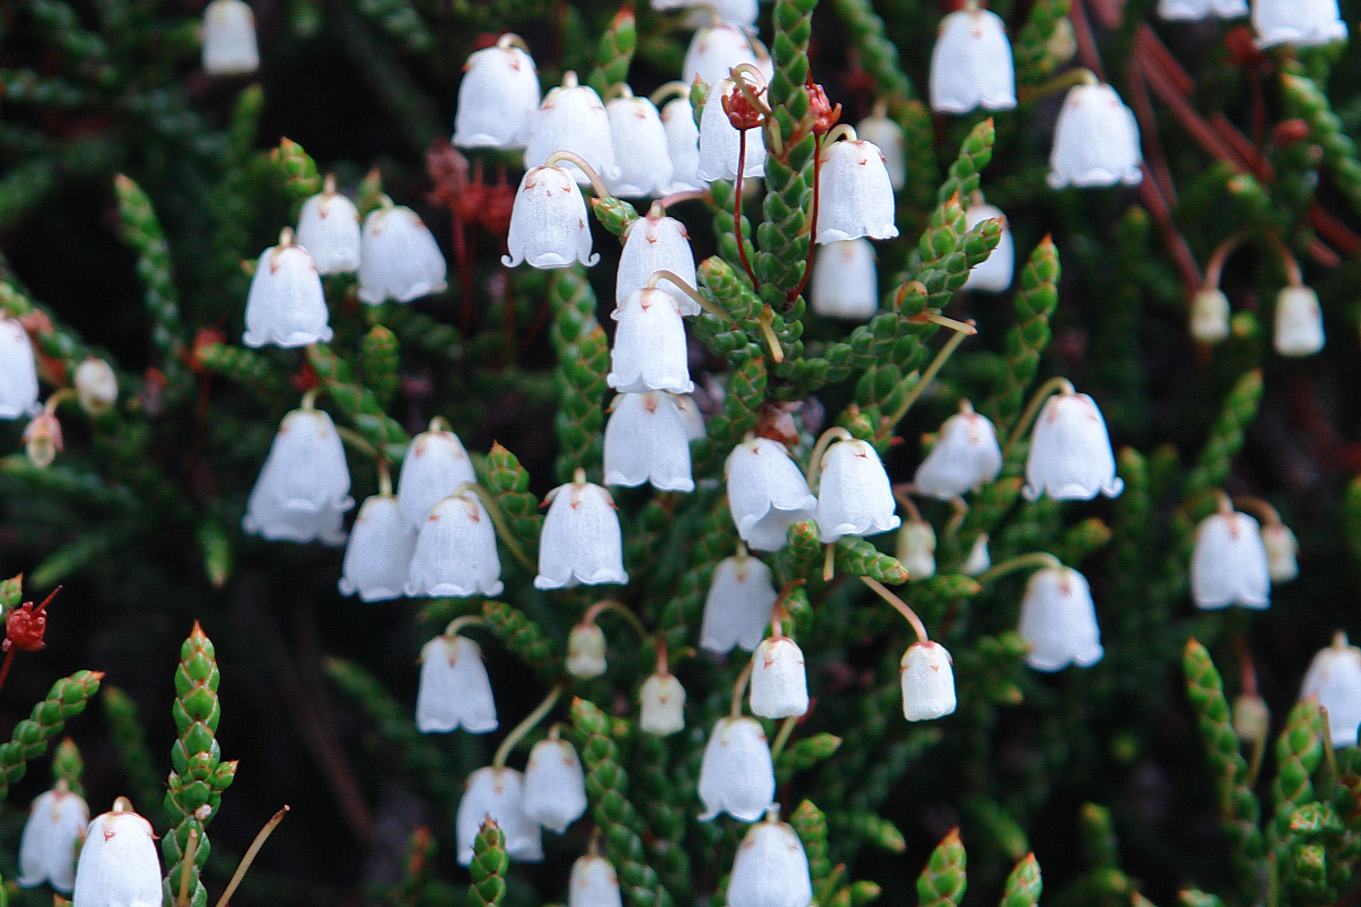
[
  {"x": 928, "y": 681},
  {"x": 1251, "y": 720},
  {"x": 662, "y": 701},
  {"x": 1209, "y": 315},
  {"x": 779, "y": 682},
  {"x": 1299, "y": 322},
  {"x": 1062, "y": 44},
  {"x": 916, "y": 549},
  {"x": 1282, "y": 552},
  {"x": 96, "y": 386},
  {"x": 586, "y": 651},
  {"x": 42, "y": 439}
]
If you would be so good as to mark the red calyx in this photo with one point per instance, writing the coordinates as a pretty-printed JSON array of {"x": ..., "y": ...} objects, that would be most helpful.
[
  {"x": 26, "y": 624},
  {"x": 742, "y": 113},
  {"x": 820, "y": 109}
]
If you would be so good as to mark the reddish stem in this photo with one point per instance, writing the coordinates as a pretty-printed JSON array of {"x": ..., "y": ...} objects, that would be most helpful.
[
  {"x": 737, "y": 206},
  {"x": 9, "y": 660},
  {"x": 813, "y": 227}
]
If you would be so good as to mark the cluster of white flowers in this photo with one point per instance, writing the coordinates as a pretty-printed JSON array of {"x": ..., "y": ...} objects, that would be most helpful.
[{"x": 108, "y": 862}]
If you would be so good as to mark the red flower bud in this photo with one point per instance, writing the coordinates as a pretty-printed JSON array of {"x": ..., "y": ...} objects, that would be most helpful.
[
  {"x": 742, "y": 113},
  {"x": 820, "y": 110},
  {"x": 26, "y": 624}
]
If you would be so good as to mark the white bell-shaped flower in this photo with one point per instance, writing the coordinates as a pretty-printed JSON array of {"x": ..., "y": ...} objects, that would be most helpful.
[
  {"x": 455, "y": 553},
  {"x": 661, "y": 705},
  {"x": 378, "y": 554},
  {"x": 738, "y": 606},
  {"x": 1229, "y": 563},
  {"x": 1282, "y": 551},
  {"x": 434, "y": 467},
  {"x": 736, "y": 774},
  {"x": 855, "y": 195},
  {"x": 555, "y": 785},
  {"x": 118, "y": 865},
  {"x": 1299, "y": 322},
  {"x": 1096, "y": 141},
  {"x": 682, "y": 146},
  {"x": 1334, "y": 680},
  {"x": 18, "y": 371},
  {"x": 979, "y": 559},
  {"x": 229, "y": 46},
  {"x": 916, "y": 549},
  {"x": 586, "y": 651},
  {"x": 995, "y": 273},
  {"x": 645, "y": 441},
  {"x": 766, "y": 493},
  {"x": 649, "y": 351},
  {"x": 580, "y": 541},
  {"x": 1209, "y": 315},
  {"x": 572, "y": 118},
  {"x": 497, "y": 97},
  {"x": 691, "y": 417},
  {"x": 1058, "y": 619},
  {"x": 304, "y": 484},
  {"x": 1303, "y": 23},
  {"x": 716, "y": 50},
  {"x": 655, "y": 243},
  {"x": 971, "y": 63},
  {"x": 328, "y": 228},
  {"x": 593, "y": 883},
  {"x": 1189, "y": 10},
  {"x": 499, "y": 793},
  {"x": 966, "y": 456},
  {"x": 454, "y": 690},
  {"x": 888, "y": 136},
  {"x": 47, "y": 848},
  {"x": 96, "y": 386},
  {"x": 398, "y": 257},
  {"x": 720, "y": 143},
  {"x": 845, "y": 281},
  {"x": 286, "y": 305},
  {"x": 770, "y": 869},
  {"x": 928, "y": 678},
  {"x": 779, "y": 681},
  {"x": 1070, "y": 452},
  {"x": 854, "y": 495},
  {"x": 640, "y": 152},
  {"x": 548, "y": 226}
]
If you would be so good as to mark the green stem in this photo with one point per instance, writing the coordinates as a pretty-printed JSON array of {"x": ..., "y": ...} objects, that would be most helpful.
[
  {"x": 825, "y": 440},
  {"x": 518, "y": 732},
  {"x": 499, "y": 521},
  {"x": 929, "y": 375},
  {"x": 900, "y": 606},
  {"x": 1032, "y": 410},
  {"x": 786, "y": 729},
  {"x": 1020, "y": 562},
  {"x": 610, "y": 604}
]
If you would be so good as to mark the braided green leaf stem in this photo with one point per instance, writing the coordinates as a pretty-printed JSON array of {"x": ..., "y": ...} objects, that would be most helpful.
[
  {"x": 134, "y": 756},
  {"x": 489, "y": 866},
  {"x": 66, "y": 699},
  {"x": 1024, "y": 885},
  {"x": 358, "y": 403},
  {"x": 583, "y": 360},
  {"x": 614, "y": 53},
  {"x": 942, "y": 881},
  {"x": 141, "y": 230}
]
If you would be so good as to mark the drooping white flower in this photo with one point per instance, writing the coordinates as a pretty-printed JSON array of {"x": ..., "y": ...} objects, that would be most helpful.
[
  {"x": 845, "y": 282},
  {"x": 1058, "y": 619},
  {"x": 979, "y": 559},
  {"x": 995, "y": 273},
  {"x": 690, "y": 415},
  {"x": 1229, "y": 563},
  {"x": 572, "y": 118},
  {"x": 971, "y": 64},
  {"x": 916, "y": 549},
  {"x": 770, "y": 869},
  {"x": 1096, "y": 141},
  {"x": 655, "y": 243},
  {"x": 1070, "y": 452},
  {"x": 378, "y": 554},
  {"x": 965, "y": 457},
  {"x": 928, "y": 680},
  {"x": 328, "y": 228},
  {"x": 118, "y": 865},
  {"x": 229, "y": 46},
  {"x": 1187, "y": 10},
  {"x": 640, "y": 153},
  {"x": 649, "y": 345},
  {"x": 1299, "y": 322},
  {"x": 1334, "y": 679},
  {"x": 398, "y": 257},
  {"x": 1303, "y": 23},
  {"x": 548, "y": 226},
  {"x": 854, "y": 495},
  {"x": 855, "y": 195},
  {"x": 1282, "y": 552},
  {"x": 47, "y": 848},
  {"x": 499, "y": 793},
  {"x": 497, "y": 97},
  {"x": 580, "y": 541},
  {"x": 682, "y": 146},
  {"x": 18, "y": 371},
  {"x": 736, "y": 774},
  {"x": 646, "y": 441},
  {"x": 1210, "y": 315},
  {"x": 779, "y": 682},
  {"x": 455, "y": 552},
  {"x": 720, "y": 141},
  {"x": 304, "y": 484},
  {"x": 586, "y": 651},
  {"x": 593, "y": 883},
  {"x": 661, "y": 705},
  {"x": 738, "y": 606},
  {"x": 888, "y": 136},
  {"x": 555, "y": 785},
  {"x": 434, "y": 467},
  {"x": 766, "y": 493},
  {"x": 96, "y": 386},
  {"x": 715, "y": 50},
  {"x": 286, "y": 305},
  {"x": 454, "y": 690}
]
